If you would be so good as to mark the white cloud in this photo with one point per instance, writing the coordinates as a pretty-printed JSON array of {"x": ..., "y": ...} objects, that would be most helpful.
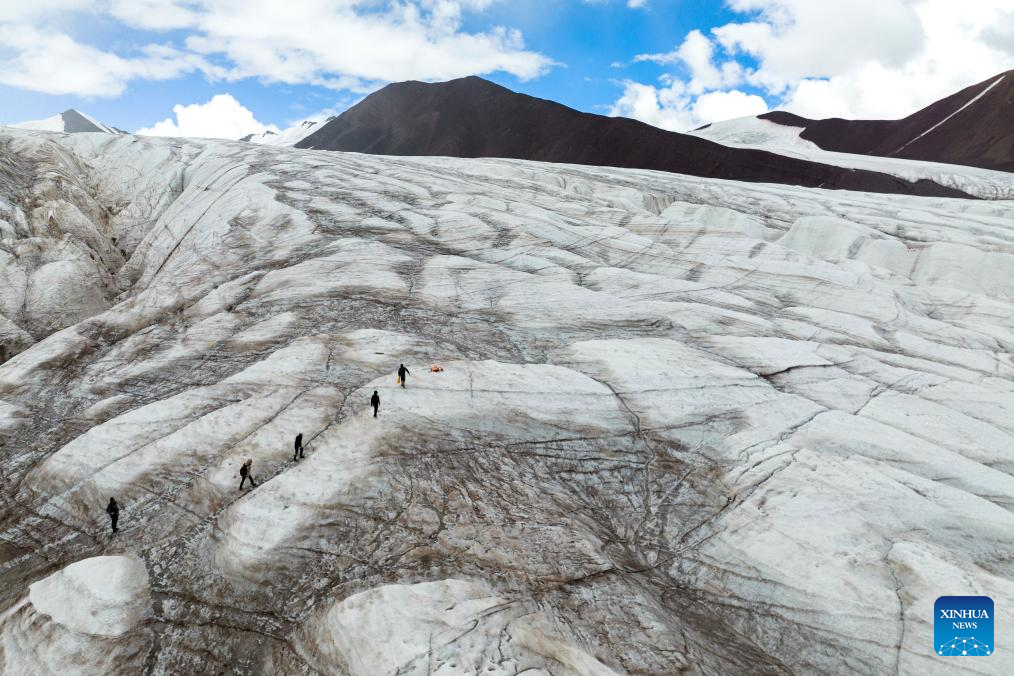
[
  {"x": 20, "y": 10},
  {"x": 54, "y": 63},
  {"x": 1001, "y": 34},
  {"x": 221, "y": 117},
  {"x": 676, "y": 108},
  {"x": 353, "y": 44},
  {"x": 890, "y": 57},
  {"x": 697, "y": 54},
  {"x": 665, "y": 57},
  {"x": 664, "y": 107},
  {"x": 955, "y": 53},
  {"x": 800, "y": 38},
  {"x": 636, "y": 4},
  {"x": 682, "y": 104},
  {"x": 727, "y": 105},
  {"x": 860, "y": 59},
  {"x": 346, "y": 46},
  {"x": 154, "y": 14}
]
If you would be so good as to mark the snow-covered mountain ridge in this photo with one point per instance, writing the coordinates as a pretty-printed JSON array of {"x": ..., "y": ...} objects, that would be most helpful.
[
  {"x": 69, "y": 121},
  {"x": 287, "y": 137},
  {"x": 684, "y": 424}
]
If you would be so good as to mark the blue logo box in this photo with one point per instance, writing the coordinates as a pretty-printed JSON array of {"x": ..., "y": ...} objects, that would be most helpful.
[{"x": 963, "y": 626}]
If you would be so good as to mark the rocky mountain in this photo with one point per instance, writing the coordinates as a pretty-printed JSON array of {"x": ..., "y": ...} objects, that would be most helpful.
[
  {"x": 973, "y": 127},
  {"x": 684, "y": 425},
  {"x": 69, "y": 121},
  {"x": 471, "y": 117}
]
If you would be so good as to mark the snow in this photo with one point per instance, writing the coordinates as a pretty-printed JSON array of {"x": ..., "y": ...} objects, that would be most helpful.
[
  {"x": 391, "y": 629},
  {"x": 683, "y": 424},
  {"x": 753, "y": 132},
  {"x": 441, "y": 627},
  {"x": 355, "y": 265},
  {"x": 89, "y": 617},
  {"x": 291, "y": 136},
  {"x": 12, "y": 416},
  {"x": 533, "y": 634},
  {"x": 103, "y": 595},
  {"x": 61, "y": 122},
  {"x": 100, "y": 125},
  {"x": 242, "y": 417},
  {"x": 54, "y": 123},
  {"x": 460, "y": 402}
]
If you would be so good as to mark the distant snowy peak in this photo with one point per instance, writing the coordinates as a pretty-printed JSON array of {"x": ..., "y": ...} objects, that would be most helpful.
[
  {"x": 69, "y": 121},
  {"x": 288, "y": 137}
]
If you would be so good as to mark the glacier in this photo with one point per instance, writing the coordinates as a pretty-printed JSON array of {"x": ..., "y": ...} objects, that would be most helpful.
[
  {"x": 785, "y": 140},
  {"x": 683, "y": 424}
]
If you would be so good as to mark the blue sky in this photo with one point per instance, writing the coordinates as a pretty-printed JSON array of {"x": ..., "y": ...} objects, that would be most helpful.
[
  {"x": 588, "y": 38},
  {"x": 673, "y": 63}
]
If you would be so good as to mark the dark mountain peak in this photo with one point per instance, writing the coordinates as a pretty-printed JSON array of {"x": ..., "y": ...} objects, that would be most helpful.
[
  {"x": 463, "y": 92},
  {"x": 473, "y": 117},
  {"x": 467, "y": 81}
]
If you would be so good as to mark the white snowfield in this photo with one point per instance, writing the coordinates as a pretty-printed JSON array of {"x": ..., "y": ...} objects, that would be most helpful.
[
  {"x": 88, "y": 618},
  {"x": 103, "y": 596},
  {"x": 753, "y": 132},
  {"x": 683, "y": 425},
  {"x": 441, "y": 627}
]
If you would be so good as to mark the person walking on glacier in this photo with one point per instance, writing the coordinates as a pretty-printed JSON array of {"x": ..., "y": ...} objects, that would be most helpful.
[
  {"x": 402, "y": 372},
  {"x": 113, "y": 510},
  {"x": 375, "y": 402},
  {"x": 297, "y": 449},
  {"x": 245, "y": 472}
]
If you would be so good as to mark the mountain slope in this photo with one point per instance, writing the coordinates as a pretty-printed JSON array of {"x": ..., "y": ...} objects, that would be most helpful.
[
  {"x": 684, "y": 426},
  {"x": 974, "y": 127},
  {"x": 754, "y": 132},
  {"x": 69, "y": 121},
  {"x": 471, "y": 117}
]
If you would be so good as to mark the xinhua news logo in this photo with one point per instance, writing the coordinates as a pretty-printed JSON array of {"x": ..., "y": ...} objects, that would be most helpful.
[{"x": 963, "y": 626}]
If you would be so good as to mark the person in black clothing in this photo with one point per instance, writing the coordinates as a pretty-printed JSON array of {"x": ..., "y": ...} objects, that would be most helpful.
[
  {"x": 246, "y": 473},
  {"x": 375, "y": 402},
  {"x": 402, "y": 372},
  {"x": 298, "y": 447},
  {"x": 114, "y": 513}
]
